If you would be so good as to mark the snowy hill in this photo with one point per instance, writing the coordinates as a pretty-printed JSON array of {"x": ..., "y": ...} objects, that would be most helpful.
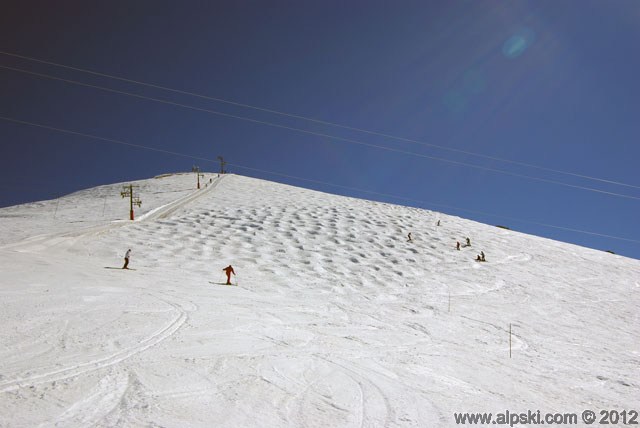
[{"x": 337, "y": 320}]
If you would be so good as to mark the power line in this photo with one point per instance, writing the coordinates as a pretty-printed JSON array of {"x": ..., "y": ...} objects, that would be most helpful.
[
  {"x": 110, "y": 140},
  {"x": 331, "y": 137},
  {"x": 295, "y": 116},
  {"x": 387, "y": 195}
]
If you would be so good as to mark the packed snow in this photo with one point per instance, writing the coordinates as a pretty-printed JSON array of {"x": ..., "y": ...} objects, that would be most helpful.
[{"x": 336, "y": 319}]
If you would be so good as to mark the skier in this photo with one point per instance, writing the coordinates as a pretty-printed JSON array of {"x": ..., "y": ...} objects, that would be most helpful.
[
  {"x": 438, "y": 223},
  {"x": 478, "y": 259},
  {"x": 229, "y": 270},
  {"x": 482, "y": 256},
  {"x": 458, "y": 245},
  {"x": 468, "y": 242},
  {"x": 409, "y": 237},
  {"x": 126, "y": 259}
]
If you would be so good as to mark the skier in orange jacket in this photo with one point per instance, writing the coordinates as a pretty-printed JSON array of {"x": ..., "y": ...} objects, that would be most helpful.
[{"x": 229, "y": 270}]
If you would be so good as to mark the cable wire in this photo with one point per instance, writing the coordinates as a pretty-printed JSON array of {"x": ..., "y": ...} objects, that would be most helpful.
[
  {"x": 331, "y": 137},
  {"x": 323, "y": 122},
  {"x": 95, "y": 137}
]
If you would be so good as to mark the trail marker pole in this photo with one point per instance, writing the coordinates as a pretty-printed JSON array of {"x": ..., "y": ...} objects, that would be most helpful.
[
  {"x": 509, "y": 340},
  {"x": 104, "y": 207},
  {"x": 56, "y": 210}
]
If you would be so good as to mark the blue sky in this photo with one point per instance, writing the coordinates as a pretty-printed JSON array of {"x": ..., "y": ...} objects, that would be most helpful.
[{"x": 546, "y": 83}]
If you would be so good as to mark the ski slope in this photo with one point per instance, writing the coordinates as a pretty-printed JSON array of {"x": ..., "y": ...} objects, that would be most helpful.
[{"x": 337, "y": 320}]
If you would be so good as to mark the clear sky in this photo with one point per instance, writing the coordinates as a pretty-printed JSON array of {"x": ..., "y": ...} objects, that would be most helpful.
[{"x": 545, "y": 83}]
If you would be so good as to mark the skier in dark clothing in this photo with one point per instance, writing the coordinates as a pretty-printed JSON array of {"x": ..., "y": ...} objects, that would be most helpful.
[
  {"x": 482, "y": 256},
  {"x": 409, "y": 237},
  {"x": 468, "y": 242},
  {"x": 229, "y": 270},
  {"x": 458, "y": 245},
  {"x": 126, "y": 259}
]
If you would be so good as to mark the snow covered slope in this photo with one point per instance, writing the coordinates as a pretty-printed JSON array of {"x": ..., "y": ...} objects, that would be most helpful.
[{"x": 337, "y": 320}]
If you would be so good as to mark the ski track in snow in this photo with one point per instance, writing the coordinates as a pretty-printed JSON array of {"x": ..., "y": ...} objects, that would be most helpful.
[
  {"x": 103, "y": 362},
  {"x": 97, "y": 404},
  {"x": 337, "y": 319}
]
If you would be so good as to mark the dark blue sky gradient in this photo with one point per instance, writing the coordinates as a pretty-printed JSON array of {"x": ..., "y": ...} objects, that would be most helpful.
[{"x": 549, "y": 83}]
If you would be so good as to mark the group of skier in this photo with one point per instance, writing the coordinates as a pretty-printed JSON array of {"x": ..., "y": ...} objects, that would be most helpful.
[
  {"x": 467, "y": 245},
  {"x": 228, "y": 270},
  {"x": 480, "y": 257}
]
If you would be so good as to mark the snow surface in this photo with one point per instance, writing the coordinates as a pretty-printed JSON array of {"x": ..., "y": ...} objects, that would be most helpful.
[{"x": 337, "y": 320}]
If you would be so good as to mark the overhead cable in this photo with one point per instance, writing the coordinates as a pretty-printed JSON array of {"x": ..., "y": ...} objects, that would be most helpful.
[
  {"x": 323, "y": 122},
  {"x": 327, "y": 136}
]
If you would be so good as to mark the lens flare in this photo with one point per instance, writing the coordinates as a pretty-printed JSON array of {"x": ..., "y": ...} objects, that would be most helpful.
[{"x": 518, "y": 43}]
